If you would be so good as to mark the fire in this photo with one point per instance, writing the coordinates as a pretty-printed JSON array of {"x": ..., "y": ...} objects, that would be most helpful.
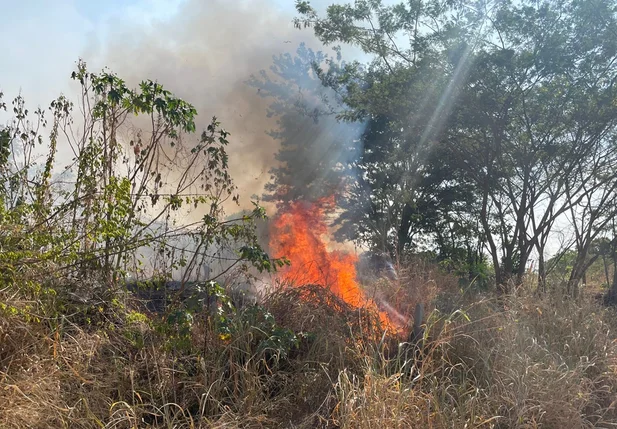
[{"x": 298, "y": 234}]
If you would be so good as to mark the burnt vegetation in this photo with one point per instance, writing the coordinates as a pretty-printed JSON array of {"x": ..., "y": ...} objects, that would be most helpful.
[{"x": 471, "y": 154}]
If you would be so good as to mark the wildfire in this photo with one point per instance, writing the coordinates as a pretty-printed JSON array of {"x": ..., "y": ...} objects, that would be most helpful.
[{"x": 298, "y": 234}]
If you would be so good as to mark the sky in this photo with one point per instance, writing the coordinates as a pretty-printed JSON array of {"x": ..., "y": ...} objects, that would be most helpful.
[{"x": 41, "y": 40}]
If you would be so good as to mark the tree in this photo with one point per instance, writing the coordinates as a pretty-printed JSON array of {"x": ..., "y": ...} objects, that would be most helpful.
[
  {"x": 536, "y": 107},
  {"x": 403, "y": 183},
  {"x": 519, "y": 95}
]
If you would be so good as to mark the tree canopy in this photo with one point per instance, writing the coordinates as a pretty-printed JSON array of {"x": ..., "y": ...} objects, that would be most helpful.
[{"x": 486, "y": 125}]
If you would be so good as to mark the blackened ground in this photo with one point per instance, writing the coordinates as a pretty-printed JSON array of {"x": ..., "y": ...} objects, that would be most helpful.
[{"x": 156, "y": 295}]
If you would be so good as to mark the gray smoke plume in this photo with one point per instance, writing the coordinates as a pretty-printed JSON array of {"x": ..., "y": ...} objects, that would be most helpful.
[{"x": 205, "y": 54}]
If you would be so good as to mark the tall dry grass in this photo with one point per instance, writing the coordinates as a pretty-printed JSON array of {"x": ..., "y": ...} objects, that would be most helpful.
[
  {"x": 517, "y": 362},
  {"x": 514, "y": 362}
]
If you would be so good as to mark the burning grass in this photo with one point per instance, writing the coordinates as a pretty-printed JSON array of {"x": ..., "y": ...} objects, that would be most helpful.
[
  {"x": 322, "y": 352},
  {"x": 298, "y": 233}
]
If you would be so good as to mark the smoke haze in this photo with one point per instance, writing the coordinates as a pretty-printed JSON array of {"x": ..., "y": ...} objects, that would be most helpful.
[{"x": 205, "y": 54}]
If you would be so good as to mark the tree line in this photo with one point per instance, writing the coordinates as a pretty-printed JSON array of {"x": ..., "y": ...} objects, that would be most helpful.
[{"x": 484, "y": 132}]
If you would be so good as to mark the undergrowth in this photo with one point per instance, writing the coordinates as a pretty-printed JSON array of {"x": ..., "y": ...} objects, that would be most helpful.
[{"x": 303, "y": 358}]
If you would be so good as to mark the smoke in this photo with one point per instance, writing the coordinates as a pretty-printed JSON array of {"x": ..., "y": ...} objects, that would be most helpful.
[{"x": 205, "y": 54}]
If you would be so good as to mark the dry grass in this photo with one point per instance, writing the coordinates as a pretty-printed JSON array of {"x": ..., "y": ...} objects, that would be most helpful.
[
  {"x": 546, "y": 363},
  {"x": 419, "y": 282},
  {"x": 520, "y": 362}
]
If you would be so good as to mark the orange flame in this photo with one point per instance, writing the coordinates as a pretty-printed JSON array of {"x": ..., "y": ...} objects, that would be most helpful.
[{"x": 298, "y": 233}]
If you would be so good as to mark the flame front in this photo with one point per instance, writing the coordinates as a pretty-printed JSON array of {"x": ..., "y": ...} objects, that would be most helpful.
[{"x": 298, "y": 234}]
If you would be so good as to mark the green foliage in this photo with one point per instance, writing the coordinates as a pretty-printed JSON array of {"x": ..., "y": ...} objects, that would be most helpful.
[
  {"x": 315, "y": 148},
  {"x": 136, "y": 323},
  {"x": 266, "y": 340},
  {"x": 76, "y": 228},
  {"x": 270, "y": 342},
  {"x": 176, "y": 330},
  {"x": 486, "y": 124}
]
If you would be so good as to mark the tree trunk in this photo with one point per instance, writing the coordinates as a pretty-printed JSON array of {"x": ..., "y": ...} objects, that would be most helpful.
[
  {"x": 579, "y": 270},
  {"x": 491, "y": 242},
  {"x": 403, "y": 231},
  {"x": 612, "y": 292},
  {"x": 520, "y": 272},
  {"x": 507, "y": 269},
  {"x": 541, "y": 272},
  {"x": 606, "y": 276}
]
